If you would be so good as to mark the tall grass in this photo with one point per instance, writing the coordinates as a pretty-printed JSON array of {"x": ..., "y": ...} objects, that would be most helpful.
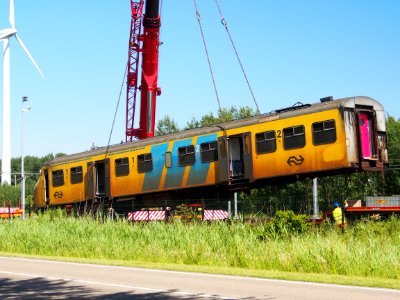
[{"x": 366, "y": 249}]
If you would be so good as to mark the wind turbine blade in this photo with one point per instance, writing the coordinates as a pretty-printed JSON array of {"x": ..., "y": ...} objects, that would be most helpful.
[
  {"x": 12, "y": 20},
  {"x": 29, "y": 55}
]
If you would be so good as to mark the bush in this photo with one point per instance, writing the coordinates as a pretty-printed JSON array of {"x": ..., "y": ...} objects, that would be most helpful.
[{"x": 286, "y": 223}]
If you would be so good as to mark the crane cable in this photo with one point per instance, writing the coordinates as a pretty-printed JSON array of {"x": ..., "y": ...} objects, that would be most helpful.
[
  {"x": 208, "y": 57},
  {"x": 116, "y": 111},
  {"x": 223, "y": 21}
]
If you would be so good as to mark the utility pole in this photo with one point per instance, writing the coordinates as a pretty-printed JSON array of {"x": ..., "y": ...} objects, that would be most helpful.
[
  {"x": 24, "y": 109},
  {"x": 315, "y": 200}
]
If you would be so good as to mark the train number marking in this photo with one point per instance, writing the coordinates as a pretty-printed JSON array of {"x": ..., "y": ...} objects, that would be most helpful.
[
  {"x": 294, "y": 160},
  {"x": 58, "y": 195},
  {"x": 279, "y": 134}
]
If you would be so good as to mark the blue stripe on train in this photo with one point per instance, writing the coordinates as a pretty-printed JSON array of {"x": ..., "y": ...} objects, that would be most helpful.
[
  {"x": 199, "y": 171},
  {"x": 152, "y": 179},
  {"x": 175, "y": 173}
]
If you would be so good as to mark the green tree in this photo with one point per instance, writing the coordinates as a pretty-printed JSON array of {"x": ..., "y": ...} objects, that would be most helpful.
[
  {"x": 392, "y": 176},
  {"x": 224, "y": 115},
  {"x": 9, "y": 195},
  {"x": 32, "y": 165},
  {"x": 166, "y": 125},
  {"x": 193, "y": 123},
  {"x": 393, "y": 139}
]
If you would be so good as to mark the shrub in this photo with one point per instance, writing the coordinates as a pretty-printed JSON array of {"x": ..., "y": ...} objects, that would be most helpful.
[{"x": 286, "y": 223}]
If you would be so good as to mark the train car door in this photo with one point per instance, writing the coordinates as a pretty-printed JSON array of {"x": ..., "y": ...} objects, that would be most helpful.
[
  {"x": 365, "y": 121},
  {"x": 235, "y": 159},
  {"x": 98, "y": 179},
  {"x": 223, "y": 159},
  {"x": 236, "y": 167},
  {"x": 46, "y": 187},
  {"x": 102, "y": 178},
  {"x": 89, "y": 187},
  {"x": 247, "y": 156}
]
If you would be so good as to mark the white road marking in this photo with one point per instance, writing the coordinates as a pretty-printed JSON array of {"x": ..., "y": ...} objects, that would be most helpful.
[
  {"x": 213, "y": 275},
  {"x": 110, "y": 285}
]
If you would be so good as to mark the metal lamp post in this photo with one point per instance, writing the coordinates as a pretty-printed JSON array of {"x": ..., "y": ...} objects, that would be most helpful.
[
  {"x": 24, "y": 109},
  {"x": 315, "y": 200}
]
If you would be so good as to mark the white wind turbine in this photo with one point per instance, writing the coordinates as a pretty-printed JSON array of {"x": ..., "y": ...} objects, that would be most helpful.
[{"x": 5, "y": 35}]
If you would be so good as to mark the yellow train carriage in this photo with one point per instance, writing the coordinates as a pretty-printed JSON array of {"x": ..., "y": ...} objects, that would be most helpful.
[{"x": 305, "y": 140}]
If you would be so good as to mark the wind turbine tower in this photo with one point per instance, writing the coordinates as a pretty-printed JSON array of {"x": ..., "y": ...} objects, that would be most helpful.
[{"x": 5, "y": 35}]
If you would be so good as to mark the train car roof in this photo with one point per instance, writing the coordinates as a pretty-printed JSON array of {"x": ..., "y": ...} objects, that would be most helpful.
[{"x": 289, "y": 112}]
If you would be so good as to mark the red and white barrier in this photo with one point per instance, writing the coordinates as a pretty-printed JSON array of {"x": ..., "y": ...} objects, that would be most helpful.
[
  {"x": 145, "y": 215},
  {"x": 215, "y": 215},
  {"x": 6, "y": 212},
  {"x": 160, "y": 215}
]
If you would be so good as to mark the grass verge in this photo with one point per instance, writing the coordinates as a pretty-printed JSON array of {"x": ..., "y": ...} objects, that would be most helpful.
[{"x": 366, "y": 255}]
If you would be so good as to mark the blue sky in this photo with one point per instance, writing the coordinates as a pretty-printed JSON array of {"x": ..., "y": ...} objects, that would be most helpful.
[{"x": 292, "y": 51}]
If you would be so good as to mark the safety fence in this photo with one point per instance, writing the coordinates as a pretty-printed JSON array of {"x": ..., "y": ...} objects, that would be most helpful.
[
  {"x": 10, "y": 212},
  {"x": 163, "y": 215}
]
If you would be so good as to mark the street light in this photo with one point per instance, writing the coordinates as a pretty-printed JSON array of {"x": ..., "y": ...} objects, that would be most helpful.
[{"x": 24, "y": 109}]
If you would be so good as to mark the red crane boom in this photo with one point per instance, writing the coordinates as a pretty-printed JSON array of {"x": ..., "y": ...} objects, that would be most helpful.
[{"x": 147, "y": 44}]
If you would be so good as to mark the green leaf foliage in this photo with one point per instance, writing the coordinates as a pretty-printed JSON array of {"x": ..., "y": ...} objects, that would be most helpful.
[
  {"x": 32, "y": 164},
  {"x": 286, "y": 223},
  {"x": 166, "y": 125}
]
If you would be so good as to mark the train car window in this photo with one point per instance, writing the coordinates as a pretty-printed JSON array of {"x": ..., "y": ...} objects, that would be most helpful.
[
  {"x": 122, "y": 166},
  {"x": 145, "y": 163},
  {"x": 168, "y": 159},
  {"x": 208, "y": 152},
  {"x": 324, "y": 132},
  {"x": 76, "y": 175},
  {"x": 58, "y": 178},
  {"x": 266, "y": 142},
  {"x": 294, "y": 137},
  {"x": 186, "y": 156}
]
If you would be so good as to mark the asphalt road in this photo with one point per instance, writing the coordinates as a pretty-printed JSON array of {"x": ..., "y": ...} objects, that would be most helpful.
[{"x": 40, "y": 279}]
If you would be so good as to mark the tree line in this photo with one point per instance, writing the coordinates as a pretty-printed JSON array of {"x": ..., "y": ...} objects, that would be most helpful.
[{"x": 11, "y": 194}]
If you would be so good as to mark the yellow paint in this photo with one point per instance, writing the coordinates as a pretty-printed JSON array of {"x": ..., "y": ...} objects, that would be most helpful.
[{"x": 316, "y": 158}]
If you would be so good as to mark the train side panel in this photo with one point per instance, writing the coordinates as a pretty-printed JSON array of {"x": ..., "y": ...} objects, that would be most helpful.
[
  {"x": 188, "y": 167},
  {"x": 66, "y": 183},
  {"x": 289, "y": 158},
  {"x": 130, "y": 181},
  {"x": 168, "y": 170}
]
